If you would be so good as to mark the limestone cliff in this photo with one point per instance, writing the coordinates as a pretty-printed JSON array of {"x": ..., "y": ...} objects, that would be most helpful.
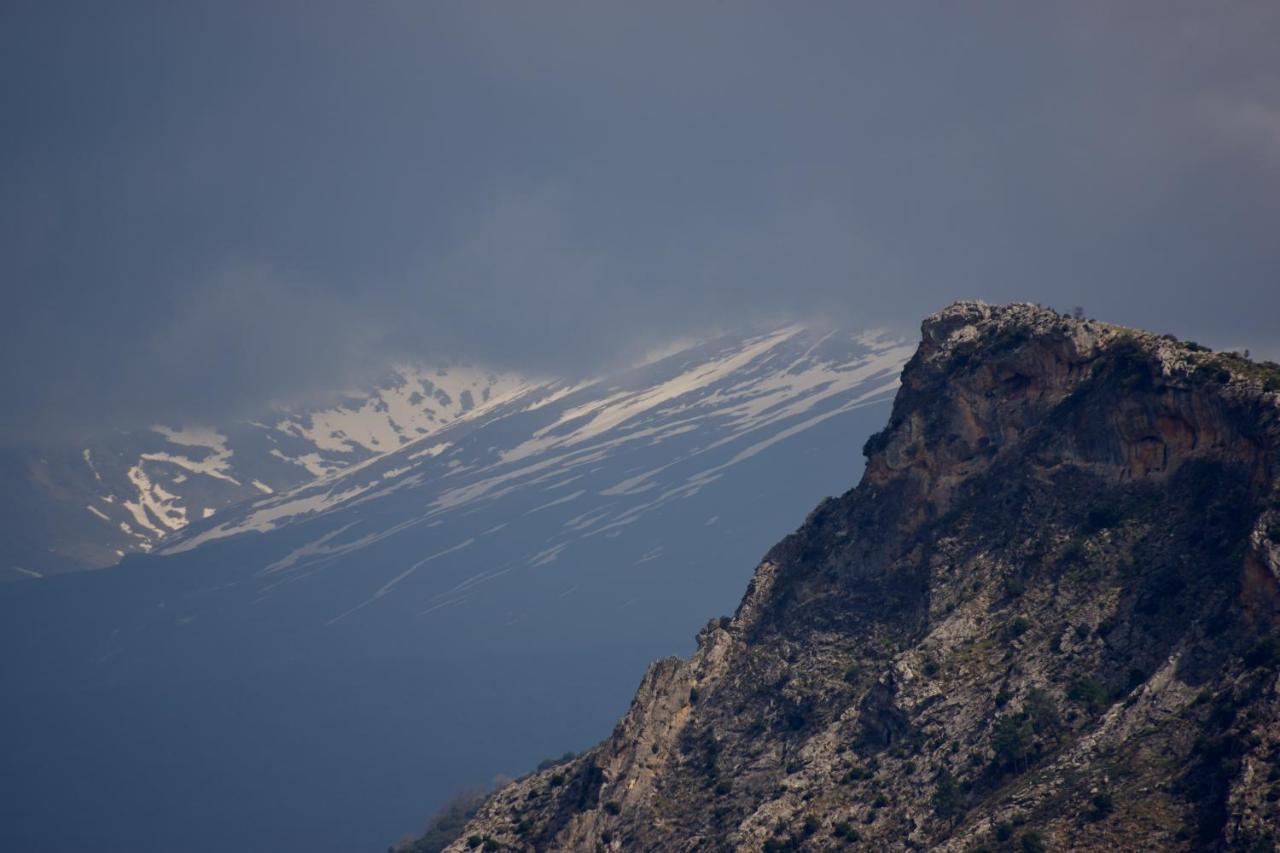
[{"x": 1045, "y": 619}]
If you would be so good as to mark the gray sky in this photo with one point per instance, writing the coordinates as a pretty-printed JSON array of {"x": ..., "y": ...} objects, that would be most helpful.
[{"x": 208, "y": 206}]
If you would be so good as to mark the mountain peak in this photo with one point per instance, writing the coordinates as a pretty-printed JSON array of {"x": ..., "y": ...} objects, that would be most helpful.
[{"x": 1045, "y": 617}]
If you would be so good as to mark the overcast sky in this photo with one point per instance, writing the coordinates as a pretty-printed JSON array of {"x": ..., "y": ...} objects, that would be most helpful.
[{"x": 204, "y": 207}]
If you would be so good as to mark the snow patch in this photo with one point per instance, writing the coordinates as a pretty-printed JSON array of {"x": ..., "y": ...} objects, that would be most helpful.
[
  {"x": 416, "y": 403},
  {"x": 155, "y": 509},
  {"x": 548, "y": 555},
  {"x": 391, "y": 584},
  {"x": 88, "y": 460}
]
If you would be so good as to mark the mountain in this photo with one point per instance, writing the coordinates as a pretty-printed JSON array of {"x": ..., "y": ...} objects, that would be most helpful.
[
  {"x": 87, "y": 506},
  {"x": 325, "y": 664},
  {"x": 1045, "y": 619}
]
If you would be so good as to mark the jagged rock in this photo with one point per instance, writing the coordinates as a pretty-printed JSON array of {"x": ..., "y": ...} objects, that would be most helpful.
[{"x": 1047, "y": 615}]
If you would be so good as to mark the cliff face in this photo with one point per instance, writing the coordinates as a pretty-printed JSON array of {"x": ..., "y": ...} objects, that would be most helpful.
[{"x": 1046, "y": 616}]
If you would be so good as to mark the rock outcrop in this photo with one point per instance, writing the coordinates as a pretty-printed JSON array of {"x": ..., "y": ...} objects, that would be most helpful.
[{"x": 1045, "y": 619}]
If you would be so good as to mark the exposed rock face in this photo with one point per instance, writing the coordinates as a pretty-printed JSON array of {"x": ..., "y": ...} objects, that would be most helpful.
[{"x": 1046, "y": 616}]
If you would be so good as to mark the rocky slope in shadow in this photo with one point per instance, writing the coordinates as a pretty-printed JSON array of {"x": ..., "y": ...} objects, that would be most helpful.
[{"x": 1045, "y": 619}]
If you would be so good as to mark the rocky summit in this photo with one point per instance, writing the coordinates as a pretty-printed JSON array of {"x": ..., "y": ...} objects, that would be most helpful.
[{"x": 1045, "y": 619}]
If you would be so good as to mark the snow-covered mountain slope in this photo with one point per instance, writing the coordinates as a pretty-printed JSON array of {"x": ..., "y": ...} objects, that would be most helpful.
[
  {"x": 85, "y": 507},
  {"x": 462, "y": 605},
  {"x": 610, "y": 450}
]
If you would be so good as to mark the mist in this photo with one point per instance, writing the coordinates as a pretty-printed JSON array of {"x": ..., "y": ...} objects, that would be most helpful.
[{"x": 208, "y": 210}]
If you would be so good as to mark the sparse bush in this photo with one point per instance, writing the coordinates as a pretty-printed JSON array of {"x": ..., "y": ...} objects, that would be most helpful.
[
  {"x": 948, "y": 797},
  {"x": 711, "y": 755},
  {"x": 795, "y": 718},
  {"x": 854, "y": 774},
  {"x": 1012, "y": 739},
  {"x": 1130, "y": 364},
  {"x": 1212, "y": 372},
  {"x": 844, "y": 830},
  {"x": 877, "y": 442},
  {"x": 1015, "y": 586},
  {"x": 1016, "y": 627},
  {"x": 1073, "y": 553},
  {"x": 1102, "y": 805},
  {"x": 1033, "y": 843},
  {"x": 1090, "y": 692},
  {"x": 1042, "y": 711},
  {"x": 612, "y": 807}
]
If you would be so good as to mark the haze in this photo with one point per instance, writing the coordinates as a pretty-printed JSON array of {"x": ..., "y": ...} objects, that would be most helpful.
[{"x": 207, "y": 208}]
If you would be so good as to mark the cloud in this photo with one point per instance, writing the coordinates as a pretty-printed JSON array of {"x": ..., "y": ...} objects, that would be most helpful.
[
  {"x": 247, "y": 334},
  {"x": 1251, "y": 123},
  {"x": 557, "y": 187}
]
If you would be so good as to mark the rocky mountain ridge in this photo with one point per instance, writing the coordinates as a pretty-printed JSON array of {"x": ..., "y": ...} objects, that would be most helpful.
[{"x": 1044, "y": 620}]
